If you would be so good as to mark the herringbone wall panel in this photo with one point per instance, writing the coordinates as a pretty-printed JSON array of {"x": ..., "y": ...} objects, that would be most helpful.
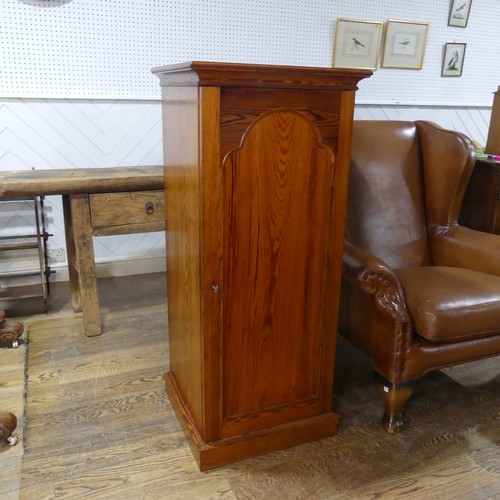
[
  {"x": 61, "y": 133},
  {"x": 471, "y": 121},
  {"x": 51, "y": 134}
]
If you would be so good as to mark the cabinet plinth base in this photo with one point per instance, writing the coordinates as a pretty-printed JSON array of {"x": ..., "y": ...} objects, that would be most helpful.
[{"x": 248, "y": 445}]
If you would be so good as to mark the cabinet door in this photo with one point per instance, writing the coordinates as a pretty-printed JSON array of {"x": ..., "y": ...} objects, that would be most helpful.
[{"x": 277, "y": 199}]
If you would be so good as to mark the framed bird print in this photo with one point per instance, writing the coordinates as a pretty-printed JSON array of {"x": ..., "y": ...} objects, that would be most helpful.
[
  {"x": 459, "y": 13},
  {"x": 357, "y": 44},
  {"x": 453, "y": 59},
  {"x": 404, "y": 44}
]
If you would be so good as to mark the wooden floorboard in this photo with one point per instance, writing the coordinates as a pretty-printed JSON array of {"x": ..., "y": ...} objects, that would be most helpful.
[{"x": 96, "y": 423}]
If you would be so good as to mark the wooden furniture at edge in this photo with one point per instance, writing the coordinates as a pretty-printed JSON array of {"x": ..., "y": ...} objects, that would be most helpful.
[
  {"x": 256, "y": 172},
  {"x": 96, "y": 202},
  {"x": 10, "y": 331},
  {"x": 8, "y": 424},
  {"x": 493, "y": 140},
  {"x": 481, "y": 206}
]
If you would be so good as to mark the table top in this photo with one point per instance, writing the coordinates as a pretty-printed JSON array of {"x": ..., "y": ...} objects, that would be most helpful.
[{"x": 80, "y": 180}]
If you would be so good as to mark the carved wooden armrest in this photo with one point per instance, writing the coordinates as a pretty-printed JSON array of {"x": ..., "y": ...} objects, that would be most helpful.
[
  {"x": 372, "y": 276},
  {"x": 376, "y": 278}
]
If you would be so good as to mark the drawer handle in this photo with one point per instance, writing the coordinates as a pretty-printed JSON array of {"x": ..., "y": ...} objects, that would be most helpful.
[{"x": 150, "y": 208}]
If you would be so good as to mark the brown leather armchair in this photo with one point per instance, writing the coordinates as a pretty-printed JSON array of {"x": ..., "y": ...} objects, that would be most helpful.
[{"x": 419, "y": 291}]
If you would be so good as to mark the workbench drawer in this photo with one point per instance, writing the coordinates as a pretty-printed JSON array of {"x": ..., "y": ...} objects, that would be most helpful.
[{"x": 127, "y": 212}]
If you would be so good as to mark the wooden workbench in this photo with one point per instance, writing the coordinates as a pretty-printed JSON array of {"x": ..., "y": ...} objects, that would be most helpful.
[{"x": 96, "y": 202}]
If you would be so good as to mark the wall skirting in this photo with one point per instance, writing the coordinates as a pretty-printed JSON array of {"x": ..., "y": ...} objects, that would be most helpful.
[{"x": 104, "y": 269}]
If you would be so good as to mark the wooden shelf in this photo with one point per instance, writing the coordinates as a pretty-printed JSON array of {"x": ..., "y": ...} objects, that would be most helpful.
[{"x": 18, "y": 246}]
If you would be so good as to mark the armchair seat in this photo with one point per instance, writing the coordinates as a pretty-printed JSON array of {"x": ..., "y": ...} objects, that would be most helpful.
[
  {"x": 449, "y": 304},
  {"x": 419, "y": 291}
]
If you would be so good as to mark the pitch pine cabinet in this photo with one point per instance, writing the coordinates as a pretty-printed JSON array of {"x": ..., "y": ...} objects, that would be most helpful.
[{"x": 256, "y": 172}]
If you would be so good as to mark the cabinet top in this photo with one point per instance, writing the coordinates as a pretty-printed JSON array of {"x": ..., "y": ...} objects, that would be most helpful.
[{"x": 216, "y": 74}]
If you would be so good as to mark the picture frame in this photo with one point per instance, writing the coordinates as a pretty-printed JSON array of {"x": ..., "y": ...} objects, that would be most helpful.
[
  {"x": 453, "y": 59},
  {"x": 357, "y": 44},
  {"x": 459, "y": 13},
  {"x": 405, "y": 43}
]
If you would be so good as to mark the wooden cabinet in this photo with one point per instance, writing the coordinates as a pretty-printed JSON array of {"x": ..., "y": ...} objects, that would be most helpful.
[
  {"x": 481, "y": 206},
  {"x": 256, "y": 171},
  {"x": 493, "y": 141}
]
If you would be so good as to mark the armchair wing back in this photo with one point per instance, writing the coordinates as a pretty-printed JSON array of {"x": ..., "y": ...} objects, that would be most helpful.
[
  {"x": 385, "y": 212},
  {"x": 419, "y": 291}
]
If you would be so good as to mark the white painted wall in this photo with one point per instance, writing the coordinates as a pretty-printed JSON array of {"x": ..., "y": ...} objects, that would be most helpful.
[{"x": 106, "y": 48}]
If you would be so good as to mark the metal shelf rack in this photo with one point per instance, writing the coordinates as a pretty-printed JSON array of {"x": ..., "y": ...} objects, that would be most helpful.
[{"x": 34, "y": 241}]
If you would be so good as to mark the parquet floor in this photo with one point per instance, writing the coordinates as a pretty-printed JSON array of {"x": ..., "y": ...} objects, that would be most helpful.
[{"x": 97, "y": 423}]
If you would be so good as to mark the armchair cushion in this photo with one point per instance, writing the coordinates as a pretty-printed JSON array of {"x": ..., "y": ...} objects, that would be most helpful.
[{"x": 440, "y": 309}]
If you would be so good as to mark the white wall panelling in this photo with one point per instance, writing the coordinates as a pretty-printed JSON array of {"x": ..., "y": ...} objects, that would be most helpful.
[
  {"x": 76, "y": 88},
  {"x": 62, "y": 133},
  {"x": 469, "y": 120}
]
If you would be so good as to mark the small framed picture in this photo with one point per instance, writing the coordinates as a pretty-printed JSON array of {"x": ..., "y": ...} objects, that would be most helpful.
[
  {"x": 404, "y": 44},
  {"x": 357, "y": 44},
  {"x": 453, "y": 59},
  {"x": 459, "y": 13}
]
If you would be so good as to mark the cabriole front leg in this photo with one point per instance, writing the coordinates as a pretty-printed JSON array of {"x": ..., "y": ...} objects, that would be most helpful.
[{"x": 395, "y": 396}]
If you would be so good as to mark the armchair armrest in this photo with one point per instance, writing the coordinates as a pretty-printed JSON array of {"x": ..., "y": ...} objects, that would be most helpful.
[
  {"x": 375, "y": 277},
  {"x": 372, "y": 295},
  {"x": 459, "y": 246}
]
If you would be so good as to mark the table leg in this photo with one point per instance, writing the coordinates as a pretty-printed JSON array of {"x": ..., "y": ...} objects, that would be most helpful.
[
  {"x": 71, "y": 255},
  {"x": 84, "y": 250}
]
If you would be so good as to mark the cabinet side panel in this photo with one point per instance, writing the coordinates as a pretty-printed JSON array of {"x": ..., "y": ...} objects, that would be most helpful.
[
  {"x": 278, "y": 188},
  {"x": 182, "y": 219},
  {"x": 211, "y": 267},
  {"x": 336, "y": 243}
]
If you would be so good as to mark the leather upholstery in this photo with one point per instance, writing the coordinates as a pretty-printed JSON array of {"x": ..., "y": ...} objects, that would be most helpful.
[
  {"x": 386, "y": 201},
  {"x": 419, "y": 291},
  {"x": 440, "y": 313}
]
